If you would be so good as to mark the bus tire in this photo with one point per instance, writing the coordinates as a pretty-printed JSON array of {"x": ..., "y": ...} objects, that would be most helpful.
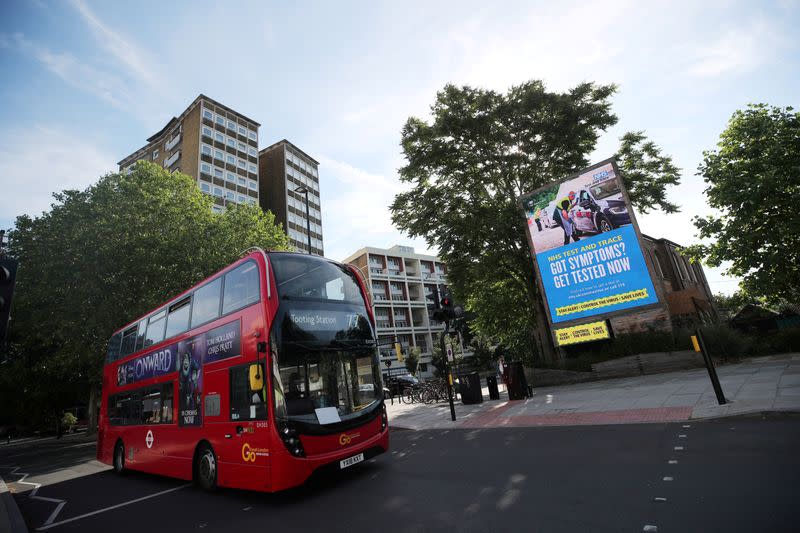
[
  {"x": 205, "y": 467},
  {"x": 119, "y": 458}
]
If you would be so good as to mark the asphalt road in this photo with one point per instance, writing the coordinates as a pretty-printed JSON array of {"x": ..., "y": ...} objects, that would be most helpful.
[{"x": 738, "y": 474}]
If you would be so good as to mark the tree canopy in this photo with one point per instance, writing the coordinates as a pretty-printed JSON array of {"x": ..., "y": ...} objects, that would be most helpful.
[
  {"x": 105, "y": 255},
  {"x": 753, "y": 180},
  {"x": 467, "y": 166}
]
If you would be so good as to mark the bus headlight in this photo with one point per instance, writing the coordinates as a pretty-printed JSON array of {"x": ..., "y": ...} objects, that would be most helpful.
[{"x": 292, "y": 441}]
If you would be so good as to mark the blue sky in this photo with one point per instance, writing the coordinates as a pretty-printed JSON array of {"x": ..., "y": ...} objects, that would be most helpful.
[{"x": 86, "y": 82}]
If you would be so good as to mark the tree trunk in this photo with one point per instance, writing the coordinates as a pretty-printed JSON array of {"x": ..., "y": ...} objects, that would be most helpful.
[{"x": 91, "y": 415}]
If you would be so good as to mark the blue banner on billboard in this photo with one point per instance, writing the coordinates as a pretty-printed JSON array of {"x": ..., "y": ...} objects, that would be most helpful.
[
  {"x": 587, "y": 249},
  {"x": 596, "y": 275}
]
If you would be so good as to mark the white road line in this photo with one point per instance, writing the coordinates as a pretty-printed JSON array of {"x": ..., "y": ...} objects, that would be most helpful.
[
  {"x": 117, "y": 506},
  {"x": 681, "y": 436},
  {"x": 667, "y": 478},
  {"x": 650, "y": 528},
  {"x": 678, "y": 448},
  {"x": 687, "y": 425},
  {"x": 659, "y": 499},
  {"x": 673, "y": 461},
  {"x": 33, "y": 496},
  {"x": 82, "y": 445}
]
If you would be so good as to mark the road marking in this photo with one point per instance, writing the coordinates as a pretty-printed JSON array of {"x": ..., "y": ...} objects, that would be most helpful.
[
  {"x": 246, "y": 508},
  {"x": 650, "y": 528},
  {"x": 111, "y": 508},
  {"x": 82, "y": 445},
  {"x": 667, "y": 478},
  {"x": 673, "y": 461},
  {"x": 33, "y": 496},
  {"x": 678, "y": 448},
  {"x": 659, "y": 499},
  {"x": 681, "y": 436},
  {"x": 687, "y": 425}
]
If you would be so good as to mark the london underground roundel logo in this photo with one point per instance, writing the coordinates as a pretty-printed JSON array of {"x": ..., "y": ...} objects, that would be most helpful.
[{"x": 149, "y": 438}]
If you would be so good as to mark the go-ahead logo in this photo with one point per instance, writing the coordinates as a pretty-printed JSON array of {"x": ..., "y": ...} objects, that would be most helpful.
[
  {"x": 249, "y": 453},
  {"x": 347, "y": 438}
]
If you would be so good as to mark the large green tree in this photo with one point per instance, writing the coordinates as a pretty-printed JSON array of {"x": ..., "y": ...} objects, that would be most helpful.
[
  {"x": 105, "y": 255},
  {"x": 753, "y": 180},
  {"x": 470, "y": 162}
]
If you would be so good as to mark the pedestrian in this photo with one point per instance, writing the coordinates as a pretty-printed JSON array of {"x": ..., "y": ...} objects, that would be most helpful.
[{"x": 536, "y": 218}]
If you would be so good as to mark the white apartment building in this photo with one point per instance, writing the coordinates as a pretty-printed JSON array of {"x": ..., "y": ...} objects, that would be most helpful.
[{"x": 399, "y": 280}]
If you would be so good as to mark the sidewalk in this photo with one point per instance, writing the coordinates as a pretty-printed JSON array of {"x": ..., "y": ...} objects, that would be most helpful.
[{"x": 761, "y": 384}]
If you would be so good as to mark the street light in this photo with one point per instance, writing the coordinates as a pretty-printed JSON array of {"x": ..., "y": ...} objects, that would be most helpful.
[{"x": 303, "y": 190}]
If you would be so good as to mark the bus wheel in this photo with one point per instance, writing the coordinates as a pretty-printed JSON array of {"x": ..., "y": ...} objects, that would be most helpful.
[
  {"x": 206, "y": 467},
  {"x": 119, "y": 458}
]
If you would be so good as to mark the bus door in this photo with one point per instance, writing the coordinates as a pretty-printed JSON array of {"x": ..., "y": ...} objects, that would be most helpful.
[{"x": 244, "y": 441}]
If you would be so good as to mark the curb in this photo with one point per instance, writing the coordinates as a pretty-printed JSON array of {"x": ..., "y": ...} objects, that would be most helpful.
[{"x": 10, "y": 518}]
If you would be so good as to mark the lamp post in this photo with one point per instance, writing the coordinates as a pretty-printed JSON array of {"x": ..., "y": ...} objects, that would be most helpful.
[{"x": 303, "y": 190}]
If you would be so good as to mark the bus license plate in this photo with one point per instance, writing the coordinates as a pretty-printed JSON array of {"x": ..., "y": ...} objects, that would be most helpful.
[{"x": 350, "y": 461}]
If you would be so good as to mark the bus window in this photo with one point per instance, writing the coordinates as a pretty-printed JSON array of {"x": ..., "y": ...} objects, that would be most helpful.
[
  {"x": 246, "y": 403},
  {"x": 113, "y": 348},
  {"x": 302, "y": 277},
  {"x": 151, "y": 406},
  {"x": 128, "y": 341},
  {"x": 206, "y": 302},
  {"x": 125, "y": 409},
  {"x": 241, "y": 287},
  {"x": 140, "y": 334},
  {"x": 155, "y": 328},
  {"x": 178, "y": 317}
]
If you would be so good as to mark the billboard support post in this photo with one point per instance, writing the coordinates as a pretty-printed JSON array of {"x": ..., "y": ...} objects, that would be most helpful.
[{"x": 712, "y": 371}]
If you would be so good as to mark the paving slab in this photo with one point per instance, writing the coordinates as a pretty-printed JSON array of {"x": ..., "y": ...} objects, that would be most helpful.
[{"x": 754, "y": 385}]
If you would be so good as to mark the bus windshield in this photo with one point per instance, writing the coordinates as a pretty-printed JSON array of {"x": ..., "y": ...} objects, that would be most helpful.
[
  {"x": 325, "y": 358},
  {"x": 312, "y": 380}
]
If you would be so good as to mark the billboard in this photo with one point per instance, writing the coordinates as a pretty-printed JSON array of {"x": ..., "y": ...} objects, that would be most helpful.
[{"x": 583, "y": 236}]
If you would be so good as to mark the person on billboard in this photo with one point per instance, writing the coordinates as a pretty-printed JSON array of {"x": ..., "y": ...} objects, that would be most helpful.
[
  {"x": 567, "y": 221},
  {"x": 536, "y": 218}
]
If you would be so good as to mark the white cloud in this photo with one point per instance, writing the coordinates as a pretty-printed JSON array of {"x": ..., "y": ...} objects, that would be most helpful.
[
  {"x": 123, "y": 50},
  {"x": 36, "y": 162},
  {"x": 738, "y": 51},
  {"x": 355, "y": 209},
  {"x": 80, "y": 75}
]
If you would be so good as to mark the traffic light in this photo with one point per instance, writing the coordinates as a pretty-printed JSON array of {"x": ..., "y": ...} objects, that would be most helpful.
[
  {"x": 8, "y": 274},
  {"x": 446, "y": 308}
]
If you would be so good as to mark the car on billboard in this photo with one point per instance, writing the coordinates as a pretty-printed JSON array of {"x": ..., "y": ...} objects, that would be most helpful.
[{"x": 600, "y": 208}]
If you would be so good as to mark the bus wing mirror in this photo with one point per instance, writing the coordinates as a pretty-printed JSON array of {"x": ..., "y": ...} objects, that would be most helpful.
[{"x": 256, "y": 378}]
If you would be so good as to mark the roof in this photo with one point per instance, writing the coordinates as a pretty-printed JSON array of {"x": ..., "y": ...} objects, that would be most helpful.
[
  {"x": 654, "y": 239},
  {"x": 223, "y": 106},
  {"x": 175, "y": 120},
  {"x": 294, "y": 146},
  {"x": 163, "y": 130}
]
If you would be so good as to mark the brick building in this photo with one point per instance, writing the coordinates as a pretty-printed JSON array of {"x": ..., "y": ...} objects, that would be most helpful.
[
  {"x": 212, "y": 143},
  {"x": 288, "y": 176}
]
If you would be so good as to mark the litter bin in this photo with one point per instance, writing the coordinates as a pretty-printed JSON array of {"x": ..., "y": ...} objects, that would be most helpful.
[
  {"x": 494, "y": 392},
  {"x": 517, "y": 384},
  {"x": 470, "y": 388}
]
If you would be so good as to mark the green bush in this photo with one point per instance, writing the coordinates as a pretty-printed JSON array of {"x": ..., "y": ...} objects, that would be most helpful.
[
  {"x": 728, "y": 343},
  {"x": 68, "y": 420},
  {"x": 781, "y": 341}
]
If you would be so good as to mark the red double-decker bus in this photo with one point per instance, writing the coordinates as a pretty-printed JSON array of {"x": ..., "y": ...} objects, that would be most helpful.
[{"x": 253, "y": 379}]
